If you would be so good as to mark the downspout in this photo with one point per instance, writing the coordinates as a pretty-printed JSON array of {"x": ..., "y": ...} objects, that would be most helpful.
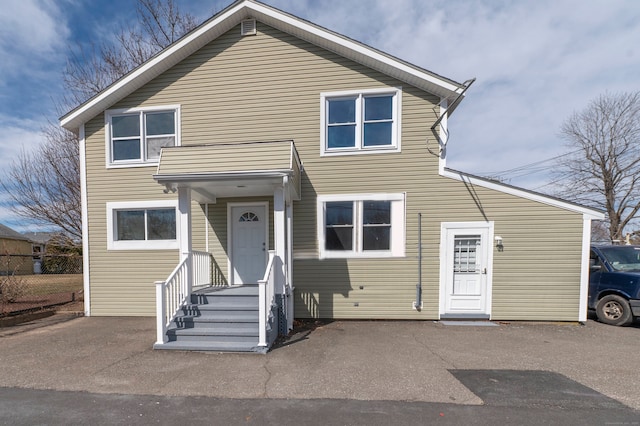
[{"x": 417, "y": 305}]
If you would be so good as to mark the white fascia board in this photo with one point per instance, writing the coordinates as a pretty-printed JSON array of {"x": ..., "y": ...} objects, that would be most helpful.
[
  {"x": 203, "y": 177},
  {"x": 587, "y": 212}
]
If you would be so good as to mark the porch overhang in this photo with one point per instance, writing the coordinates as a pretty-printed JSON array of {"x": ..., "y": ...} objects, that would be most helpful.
[{"x": 231, "y": 170}]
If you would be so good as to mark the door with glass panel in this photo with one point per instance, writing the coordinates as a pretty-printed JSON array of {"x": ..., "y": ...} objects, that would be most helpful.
[{"x": 466, "y": 272}]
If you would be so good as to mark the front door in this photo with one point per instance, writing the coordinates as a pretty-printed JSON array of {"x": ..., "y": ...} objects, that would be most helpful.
[
  {"x": 248, "y": 242},
  {"x": 465, "y": 290}
]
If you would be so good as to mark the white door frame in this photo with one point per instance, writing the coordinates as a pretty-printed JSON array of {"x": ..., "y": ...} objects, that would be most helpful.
[
  {"x": 230, "y": 207},
  {"x": 445, "y": 253}
]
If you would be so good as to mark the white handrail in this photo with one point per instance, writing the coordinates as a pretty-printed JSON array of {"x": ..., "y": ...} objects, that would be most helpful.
[
  {"x": 266, "y": 298},
  {"x": 170, "y": 295},
  {"x": 202, "y": 261}
]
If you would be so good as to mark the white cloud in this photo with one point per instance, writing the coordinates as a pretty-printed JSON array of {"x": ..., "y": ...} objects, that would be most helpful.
[
  {"x": 30, "y": 32},
  {"x": 535, "y": 63}
]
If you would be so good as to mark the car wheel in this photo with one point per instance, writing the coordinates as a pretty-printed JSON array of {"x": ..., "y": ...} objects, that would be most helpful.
[{"x": 615, "y": 310}]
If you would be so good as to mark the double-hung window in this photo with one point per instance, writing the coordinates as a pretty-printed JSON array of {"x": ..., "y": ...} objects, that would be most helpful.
[
  {"x": 144, "y": 225},
  {"x": 370, "y": 225},
  {"x": 366, "y": 121},
  {"x": 135, "y": 136}
]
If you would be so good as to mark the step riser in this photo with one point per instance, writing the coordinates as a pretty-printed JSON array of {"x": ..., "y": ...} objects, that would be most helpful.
[
  {"x": 201, "y": 311},
  {"x": 189, "y": 323},
  {"x": 212, "y": 339},
  {"x": 222, "y": 300},
  {"x": 226, "y": 316}
]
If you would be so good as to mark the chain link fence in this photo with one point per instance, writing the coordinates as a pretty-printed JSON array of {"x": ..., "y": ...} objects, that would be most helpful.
[{"x": 38, "y": 281}]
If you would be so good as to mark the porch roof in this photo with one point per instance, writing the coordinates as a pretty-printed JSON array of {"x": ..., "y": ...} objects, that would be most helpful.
[{"x": 231, "y": 169}]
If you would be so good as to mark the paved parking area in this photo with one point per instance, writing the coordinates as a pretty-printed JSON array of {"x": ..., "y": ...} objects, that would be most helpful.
[{"x": 355, "y": 360}]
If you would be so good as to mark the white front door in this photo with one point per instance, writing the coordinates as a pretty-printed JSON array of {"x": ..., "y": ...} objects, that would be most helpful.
[
  {"x": 466, "y": 271},
  {"x": 248, "y": 242}
]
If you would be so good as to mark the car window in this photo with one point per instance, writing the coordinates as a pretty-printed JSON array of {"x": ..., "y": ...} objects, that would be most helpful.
[{"x": 622, "y": 258}]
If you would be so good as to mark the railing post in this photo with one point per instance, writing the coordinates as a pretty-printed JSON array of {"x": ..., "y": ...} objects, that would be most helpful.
[
  {"x": 161, "y": 314},
  {"x": 262, "y": 313}
]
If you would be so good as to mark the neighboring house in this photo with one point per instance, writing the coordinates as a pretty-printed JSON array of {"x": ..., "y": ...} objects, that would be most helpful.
[
  {"x": 274, "y": 145},
  {"x": 41, "y": 240},
  {"x": 15, "y": 252}
]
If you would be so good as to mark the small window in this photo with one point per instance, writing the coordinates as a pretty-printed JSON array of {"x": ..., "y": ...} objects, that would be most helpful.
[
  {"x": 146, "y": 225},
  {"x": 361, "y": 226},
  {"x": 249, "y": 217},
  {"x": 137, "y": 136},
  {"x": 361, "y": 122}
]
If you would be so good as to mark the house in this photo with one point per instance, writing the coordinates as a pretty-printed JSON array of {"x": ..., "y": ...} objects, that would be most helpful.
[
  {"x": 263, "y": 168},
  {"x": 15, "y": 252}
]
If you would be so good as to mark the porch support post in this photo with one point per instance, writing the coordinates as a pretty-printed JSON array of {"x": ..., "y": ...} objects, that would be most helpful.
[
  {"x": 288, "y": 299},
  {"x": 184, "y": 212},
  {"x": 279, "y": 237}
]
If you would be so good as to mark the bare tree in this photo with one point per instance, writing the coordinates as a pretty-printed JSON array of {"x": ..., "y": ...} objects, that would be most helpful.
[
  {"x": 90, "y": 70},
  {"x": 603, "y": 169},
  {"x": 44, "y": 184}
]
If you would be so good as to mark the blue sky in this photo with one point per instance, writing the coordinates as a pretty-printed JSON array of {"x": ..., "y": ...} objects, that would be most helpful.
[{"x": 535, "y": 64}]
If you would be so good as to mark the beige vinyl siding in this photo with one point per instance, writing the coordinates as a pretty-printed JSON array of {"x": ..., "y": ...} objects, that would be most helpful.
[
  {"x": 226, "y": 158},
  {"x": 122, "y": 281},
  {"x": 267, "y": 88}
]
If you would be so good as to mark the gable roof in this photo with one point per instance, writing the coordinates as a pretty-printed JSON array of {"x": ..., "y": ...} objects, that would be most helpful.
[
  {"x": 10, "y": 234},
  {"x": 228, "y": 19}
]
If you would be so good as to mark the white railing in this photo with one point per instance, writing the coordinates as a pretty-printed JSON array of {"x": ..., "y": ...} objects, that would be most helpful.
[
  {"x": 201, "y": 268},
  {"x": 266, "y": 297},
  {"x": 171, "y": 294}
]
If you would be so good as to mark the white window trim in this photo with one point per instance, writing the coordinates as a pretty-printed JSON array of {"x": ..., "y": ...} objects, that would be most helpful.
[
  {"x": 114, "y": 244},
  {"x": 108, "y": 114},
  {"x": 398, "y": 226},
  {"x": 395, "y": 134}
]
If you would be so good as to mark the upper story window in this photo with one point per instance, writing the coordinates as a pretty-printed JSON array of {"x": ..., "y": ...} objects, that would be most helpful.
[
  {"x": 135, "y": 136},
  {"x": 360, "y": 122}
]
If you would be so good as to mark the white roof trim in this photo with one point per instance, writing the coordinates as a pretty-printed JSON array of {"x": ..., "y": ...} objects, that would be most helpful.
[
  {"x": 231, "y": 17},
  {"x": 522, "y": 193}
]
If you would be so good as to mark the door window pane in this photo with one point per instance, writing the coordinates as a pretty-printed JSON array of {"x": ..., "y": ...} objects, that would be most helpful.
[{"x": 464, "y": 256}]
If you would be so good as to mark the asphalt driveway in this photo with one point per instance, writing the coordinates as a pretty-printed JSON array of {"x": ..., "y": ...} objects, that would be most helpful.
[{"x": 592, "y": 364}]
